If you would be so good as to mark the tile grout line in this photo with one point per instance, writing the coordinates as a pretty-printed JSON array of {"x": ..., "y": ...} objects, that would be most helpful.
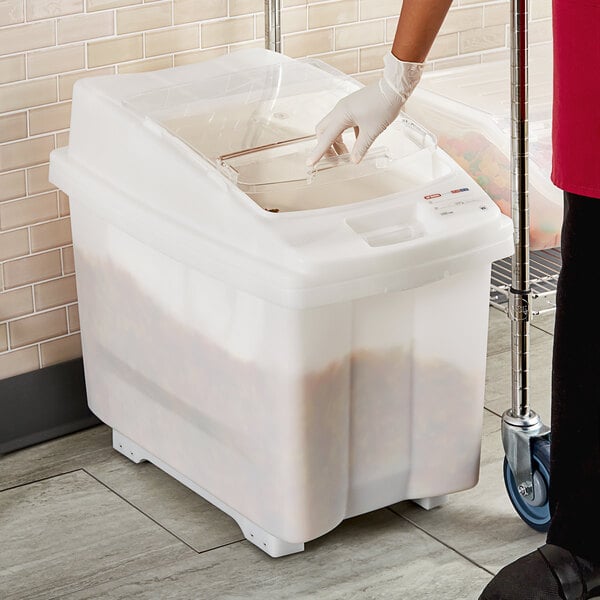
[
  {"x": 221, "y": 546},
  {"x": 492, "y": 412},
  {"x": 153, "y": 519},
  {"x": 441, "y": 541},
  {"x": 137, "y": 509},
  {"x": 19, "y": 485}
]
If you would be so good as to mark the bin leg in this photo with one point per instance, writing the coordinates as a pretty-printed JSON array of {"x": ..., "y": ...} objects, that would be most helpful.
[
  {"x": 129, "y": 449},
  {"x": 431, "y": 502},
  {"x": 255, "y": 534}
]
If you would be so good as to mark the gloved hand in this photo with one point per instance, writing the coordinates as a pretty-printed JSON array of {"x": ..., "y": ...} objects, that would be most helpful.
[{"x": 369, "y": 110}]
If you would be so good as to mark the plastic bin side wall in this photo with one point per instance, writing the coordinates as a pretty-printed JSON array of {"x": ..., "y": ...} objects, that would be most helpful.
[
  {"x": 449, "y": 383},
  {"x": 220, "y": 385},
  {"x": 294, "y": 418}
]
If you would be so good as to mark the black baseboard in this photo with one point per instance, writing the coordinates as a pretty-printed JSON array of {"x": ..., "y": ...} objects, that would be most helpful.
[{"x": 43, "y": 405}]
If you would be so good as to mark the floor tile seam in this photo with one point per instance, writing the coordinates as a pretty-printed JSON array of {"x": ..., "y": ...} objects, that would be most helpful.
[
  {"x": 539, "y": 328},
  {"x": 40, "y": 479},
  {"x": 155, "y": 521},
  {"x": 137, "y": 508},
  {"x": 493, "y": 412},
  {"x": 442, "y": 542}
]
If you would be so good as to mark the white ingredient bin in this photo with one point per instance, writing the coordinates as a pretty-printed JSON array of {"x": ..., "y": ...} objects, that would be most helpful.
[
  {"x": 297, "y": 347},
  {"x": 468, "y": 109}
]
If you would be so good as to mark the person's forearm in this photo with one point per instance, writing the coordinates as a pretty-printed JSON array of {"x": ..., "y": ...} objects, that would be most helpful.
[{"x": 418, "y": 26}]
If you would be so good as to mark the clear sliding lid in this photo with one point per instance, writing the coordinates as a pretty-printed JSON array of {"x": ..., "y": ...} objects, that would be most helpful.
[{"x": 257, "y": 127}]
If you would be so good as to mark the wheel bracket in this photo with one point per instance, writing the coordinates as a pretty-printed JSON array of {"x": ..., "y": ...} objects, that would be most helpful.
[{"x": 517, "y": 437}]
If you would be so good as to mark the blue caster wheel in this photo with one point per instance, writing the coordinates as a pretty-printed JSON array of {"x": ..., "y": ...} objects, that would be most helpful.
[{"x": 537, "y": 513}]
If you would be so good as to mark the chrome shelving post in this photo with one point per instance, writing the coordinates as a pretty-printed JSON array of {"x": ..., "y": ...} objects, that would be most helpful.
[
  {"x": 273, "y": 25},
  {"x": 520, "y": 425}
]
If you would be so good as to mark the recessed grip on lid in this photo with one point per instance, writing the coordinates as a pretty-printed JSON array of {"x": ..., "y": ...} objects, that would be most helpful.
[{"x": 390, "y": 226}]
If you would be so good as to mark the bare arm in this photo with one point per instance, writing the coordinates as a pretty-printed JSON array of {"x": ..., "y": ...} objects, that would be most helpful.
[{"x": 420, "y": 21}]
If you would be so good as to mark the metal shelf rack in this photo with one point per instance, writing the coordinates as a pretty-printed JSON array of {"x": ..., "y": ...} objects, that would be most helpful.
[{"x": 544, "y": 267}]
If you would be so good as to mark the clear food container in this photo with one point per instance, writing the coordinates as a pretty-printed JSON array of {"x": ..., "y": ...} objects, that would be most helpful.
[
  {"x": 296, "y": 345},
  {"x": 468, "y": 109}
]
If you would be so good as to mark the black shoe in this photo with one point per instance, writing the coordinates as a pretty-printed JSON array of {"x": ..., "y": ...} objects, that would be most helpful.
[{"x": 549, "y": 573}]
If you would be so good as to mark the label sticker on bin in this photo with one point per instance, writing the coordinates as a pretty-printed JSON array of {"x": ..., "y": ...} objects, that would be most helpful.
[{"x": 448, "y": 203}]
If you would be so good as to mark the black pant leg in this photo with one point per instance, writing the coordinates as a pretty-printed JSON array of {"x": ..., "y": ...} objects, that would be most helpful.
[{"x": 575, "y": 443}]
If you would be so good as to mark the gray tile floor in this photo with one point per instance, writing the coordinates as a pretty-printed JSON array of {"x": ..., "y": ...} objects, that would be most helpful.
[{"x": 79, "y": 521}]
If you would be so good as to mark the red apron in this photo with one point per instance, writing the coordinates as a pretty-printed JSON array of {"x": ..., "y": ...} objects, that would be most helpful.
[{"x": 576, "y": 103}]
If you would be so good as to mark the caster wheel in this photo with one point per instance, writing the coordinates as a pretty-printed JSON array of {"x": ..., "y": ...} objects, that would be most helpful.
[{"x": 535, "y": 513}]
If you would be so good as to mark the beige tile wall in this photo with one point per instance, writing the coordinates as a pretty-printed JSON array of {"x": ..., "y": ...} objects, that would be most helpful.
[{"x": 45, "y": 46}]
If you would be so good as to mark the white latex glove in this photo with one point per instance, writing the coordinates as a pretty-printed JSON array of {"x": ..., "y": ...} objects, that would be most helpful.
[{"x": 369, "y": 110}]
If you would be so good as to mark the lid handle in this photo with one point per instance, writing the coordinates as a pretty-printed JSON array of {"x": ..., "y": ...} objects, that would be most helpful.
[
  {"x": 376, "y": 158},
  {"x": 228, "y": 164}
]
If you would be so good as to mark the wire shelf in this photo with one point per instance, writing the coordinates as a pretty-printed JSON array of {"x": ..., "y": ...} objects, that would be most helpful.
[{"x": 544, "y": 266}]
